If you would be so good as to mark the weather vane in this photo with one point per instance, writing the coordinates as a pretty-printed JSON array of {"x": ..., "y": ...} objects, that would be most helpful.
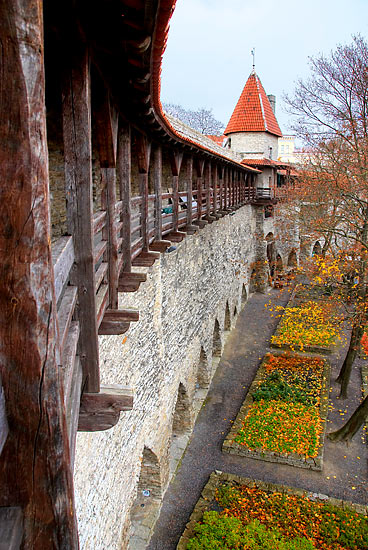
[{"x": 253, "y": 52}]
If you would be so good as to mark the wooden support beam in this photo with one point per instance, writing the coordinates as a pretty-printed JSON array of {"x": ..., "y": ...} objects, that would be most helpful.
[
  {"x": 145, "y": 259},
  {"x": 106, "y": 122},
  {"x": 176, "y": 236},
  {"x": 160, "y": 246},
  {"x": 124, "y": 177},
  {"x": 76, "y": 103},
  {"x": 117, "y": 321},
  {"x": 11, "y": 528},
  {"x": 143, "y": 149},
  {"x": 176, "y": 159},
  {"x": 130, "y": 282},
  {"x": 199, "y": 166},
  {"x": 190, "y": 228},
  {"x": 157, "y": 179},
  {"x": 35, "y": 466},
  {"x": 101, "y": 411}
]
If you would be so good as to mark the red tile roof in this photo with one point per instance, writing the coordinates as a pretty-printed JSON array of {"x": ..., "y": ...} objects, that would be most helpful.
[
  {"x": 260, "y": 162},
  {"x": 217, "y": 139},
  {"x": 253, "y": 112}
]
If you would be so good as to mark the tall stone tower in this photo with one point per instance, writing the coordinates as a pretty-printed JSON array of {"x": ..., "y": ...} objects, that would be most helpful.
[{"x": 253, "y": 130}]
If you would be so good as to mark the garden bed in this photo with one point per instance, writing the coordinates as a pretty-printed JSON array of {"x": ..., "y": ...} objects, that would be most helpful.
[
  {"x": 283, "y": 417},
  {"x": 239, "y": 513},
  {"x": 310, "y": 323}
]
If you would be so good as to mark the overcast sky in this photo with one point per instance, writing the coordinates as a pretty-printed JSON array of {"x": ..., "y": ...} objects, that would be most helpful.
[{"x": 208, "y": 60}]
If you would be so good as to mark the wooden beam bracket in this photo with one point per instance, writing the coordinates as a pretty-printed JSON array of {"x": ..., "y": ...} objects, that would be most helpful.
[
  {"x": 160, "y": 246},
  {"x": 117, "y": 321},
  {"x": 101, "y": 411}
]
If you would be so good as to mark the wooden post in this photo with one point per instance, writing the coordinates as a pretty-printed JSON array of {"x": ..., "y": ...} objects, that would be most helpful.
[
  {"x": 107, "y": 129},
  {"x": 199, "y": 165},
  {"x": 35, "y": 466},
  {"x": 124, "y": 176},
  {"x": 215, "y": 184},
  {"x": 176, "y": 158},
  {"x": 144, "y": 152},
  {"x": 157, "y": 178},
  {"x": 78, "y": 181},
  {"x": 221, "y": 172}
]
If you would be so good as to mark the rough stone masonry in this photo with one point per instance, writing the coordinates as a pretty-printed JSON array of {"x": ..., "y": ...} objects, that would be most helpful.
[{"x": 182, "y": 319}]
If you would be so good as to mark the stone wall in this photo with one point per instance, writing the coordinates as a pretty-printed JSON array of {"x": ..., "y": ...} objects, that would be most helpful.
[
  {"x": 254, "y": 144},
  {"x": 164, "y": 357}
]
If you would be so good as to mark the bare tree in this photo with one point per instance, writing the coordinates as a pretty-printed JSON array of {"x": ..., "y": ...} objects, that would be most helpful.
[{"x": 201, "y": 120}]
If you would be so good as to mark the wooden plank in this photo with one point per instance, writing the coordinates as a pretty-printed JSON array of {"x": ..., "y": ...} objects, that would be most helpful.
[
  {"x": 68, "y": 359},
  {"x": 101, "y": 411},
  {"x": 102, "y": 300},
  {"x": 124, "y": 177},
  {"x": 176, "y": 158},
  {"x": 11, "y": 528},
  {"x": 4, "y": 427},
  {"x": 100, "y": 274},
  {"x": 76, "y": 104},
  {"x": 143, "y": 186},
  {"x": 99, "y": 221},
  {"x": 73, "y": 409},
  {"x": 99, "y": 250},
  {"x": 199, "y": 164},
  {"x": 65, "y": 313},
  {"x": 62, "y": 260},
  {"x": 157, "y": 180},
  {"x": 35, "y": 468}
]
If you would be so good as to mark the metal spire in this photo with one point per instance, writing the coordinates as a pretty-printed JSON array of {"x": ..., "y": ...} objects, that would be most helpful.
[{"x": 253, "y": 52}]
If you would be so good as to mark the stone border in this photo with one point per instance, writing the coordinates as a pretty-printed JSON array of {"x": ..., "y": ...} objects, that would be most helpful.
[
  {"x": 316, "y": 463},
  {"x": 218, "y": 478},
  {"x": 295, "y": 301}
]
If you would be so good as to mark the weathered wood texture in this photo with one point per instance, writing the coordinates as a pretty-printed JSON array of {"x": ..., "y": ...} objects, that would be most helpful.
[
  {"x": 35, "y": 471},
  {"x": 107, "y": 132},
  {"x": 101, "y": 411},
  {"x": 11, "y": 528},
  {"x": 157, "y": 179},
  {"x": 62, "y": 259},
  {"x": 124, "y": 177},
  {"x": 4, "y": 426},
  {"x": 78, "y": 180}
]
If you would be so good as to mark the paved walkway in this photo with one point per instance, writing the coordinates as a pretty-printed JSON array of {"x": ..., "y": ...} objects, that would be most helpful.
[{"x": 344, "y": 474}]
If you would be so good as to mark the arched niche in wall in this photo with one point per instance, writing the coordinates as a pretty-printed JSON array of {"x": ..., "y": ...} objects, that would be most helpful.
[
  {"x": 253, "y": 281},
  {"x": 149, "y": 494},
  {"x": 292, "y": 259},
  {"x": 279, "y": 264},
  {"x": 244, "y": 296},
  {"x": 317, "y": 249},
  {"x": 235, "y": 311},
  {"x": 203, "y": 374},
  {"x": 271, "y": 252},
  {"x": 216, "y": 340},
  {"x": 150, "y": 476},
  {"x": 182, "y": 413},
  {"x": 227, "y": 324}
]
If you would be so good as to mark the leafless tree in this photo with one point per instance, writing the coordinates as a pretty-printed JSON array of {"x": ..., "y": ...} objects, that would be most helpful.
[{"x": 201, "y": 120}]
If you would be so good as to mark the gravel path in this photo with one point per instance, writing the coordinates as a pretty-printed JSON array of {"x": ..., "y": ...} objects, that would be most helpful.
[{"x": 344, "y": 474}]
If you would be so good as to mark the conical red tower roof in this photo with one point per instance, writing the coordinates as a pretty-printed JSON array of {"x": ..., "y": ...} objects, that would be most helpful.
[{"x": 253, "y": 112}]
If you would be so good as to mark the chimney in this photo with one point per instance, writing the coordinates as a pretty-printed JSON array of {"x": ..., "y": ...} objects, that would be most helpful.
[{"x": 272, "y": 100}]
